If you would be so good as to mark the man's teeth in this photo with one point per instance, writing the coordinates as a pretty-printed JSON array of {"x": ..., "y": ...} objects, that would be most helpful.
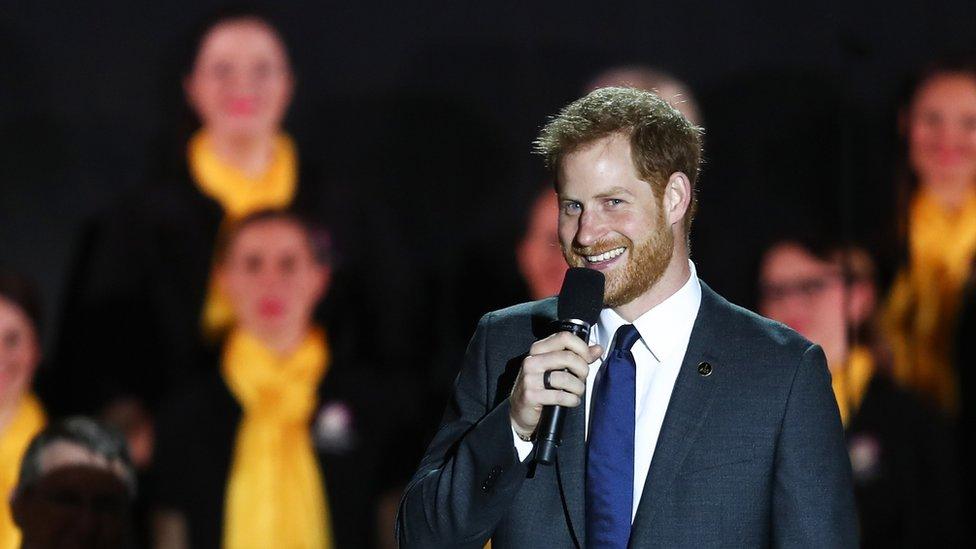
[{"x": 605, "y": 256}]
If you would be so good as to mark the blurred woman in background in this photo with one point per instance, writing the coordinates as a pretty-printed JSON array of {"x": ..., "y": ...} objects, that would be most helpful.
[
  {"x": 279, "y": 440},
  {"x": 938, "y": 232},
  {"x": 21, "y": 414}
]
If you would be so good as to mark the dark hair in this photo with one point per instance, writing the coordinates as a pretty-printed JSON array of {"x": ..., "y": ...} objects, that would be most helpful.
[
  {"x": 662, "y": 140},
  {"x": 94, "y": 436},
  {"x": 319, "y": 238},
  {"x": 21, "y": 291},
  {"x": 223, "y": 15}
]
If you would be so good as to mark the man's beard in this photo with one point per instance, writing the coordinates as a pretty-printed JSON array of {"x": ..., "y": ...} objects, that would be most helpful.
[{"x": 646, "y": 263}]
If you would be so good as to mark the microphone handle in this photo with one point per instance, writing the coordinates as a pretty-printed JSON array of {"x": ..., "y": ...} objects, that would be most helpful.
[{"x": 549, "y": 433}]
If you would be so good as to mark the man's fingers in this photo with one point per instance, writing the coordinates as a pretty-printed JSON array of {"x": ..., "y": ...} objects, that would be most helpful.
[
  {"x": 556, "y": 360},
  {"x": 564, "y": 381},
  {"x": 558, "y": 342},
  {"x": 543, "y": 397}
]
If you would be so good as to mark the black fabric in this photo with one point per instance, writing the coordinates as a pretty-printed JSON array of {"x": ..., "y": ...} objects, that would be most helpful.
[
  {"x": 904, "y": 469},
  {"x": 965, "y": 351},
  {"x": 198, "y": 427},
  {"x": 131, "y": 320}
]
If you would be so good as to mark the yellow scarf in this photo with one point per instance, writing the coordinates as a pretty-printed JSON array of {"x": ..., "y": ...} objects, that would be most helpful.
[
  {"x": 239, "y": 195},
  {"x": 851, "y": 382},
  {"x": 922, "y": 308},
  {"x": 27, "y": 421},
  {"x": 274, "y": 493}
]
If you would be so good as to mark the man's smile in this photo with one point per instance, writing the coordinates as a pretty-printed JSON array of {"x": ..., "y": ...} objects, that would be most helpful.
[{"x": 604, "y": 258}]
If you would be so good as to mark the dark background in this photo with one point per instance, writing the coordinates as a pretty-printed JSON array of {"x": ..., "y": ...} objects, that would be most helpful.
[{"x": 427, "y": 110}]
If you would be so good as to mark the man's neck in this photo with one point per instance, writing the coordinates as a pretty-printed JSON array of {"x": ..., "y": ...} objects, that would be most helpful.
[{"x": 676, "y": 275}]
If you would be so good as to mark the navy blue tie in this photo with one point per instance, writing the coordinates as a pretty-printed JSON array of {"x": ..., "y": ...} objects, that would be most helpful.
[{"x": 610, "y": 447}]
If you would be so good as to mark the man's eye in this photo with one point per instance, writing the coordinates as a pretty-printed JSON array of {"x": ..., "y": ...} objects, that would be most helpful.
[
  {"x": 572, "y": 208},
  {"x": 614, "y": 202},
  {"x": 812, "y": 286}
]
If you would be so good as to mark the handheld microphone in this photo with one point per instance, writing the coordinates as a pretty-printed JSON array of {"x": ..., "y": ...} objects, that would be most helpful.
[{"x": 580, "y": 301}]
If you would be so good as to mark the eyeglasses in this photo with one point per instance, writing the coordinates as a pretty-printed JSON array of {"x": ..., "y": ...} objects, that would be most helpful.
[{"x": 806, "y": 287}]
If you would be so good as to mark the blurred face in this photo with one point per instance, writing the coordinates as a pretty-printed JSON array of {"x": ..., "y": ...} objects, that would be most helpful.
[
  {"x": 611, "y": 221},
  {"x": 19, "y": 351},
  {"x": 272, "y": 278},
  {"x": 241, "y": 82},
  {"x": 80, "y": 500},
  {"x": 806, "y": 294},
  {"x": 942, "y": 129},
  {"x": 540, "y": 258}
]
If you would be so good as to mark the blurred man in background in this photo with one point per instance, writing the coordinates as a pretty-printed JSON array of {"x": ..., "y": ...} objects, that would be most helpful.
[
  {"x": 75, "y": 489},
  {"x": 901, "y": 452}
]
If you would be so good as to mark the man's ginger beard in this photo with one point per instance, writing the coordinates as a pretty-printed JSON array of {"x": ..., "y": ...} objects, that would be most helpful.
[{"x": 646, "y": 262}]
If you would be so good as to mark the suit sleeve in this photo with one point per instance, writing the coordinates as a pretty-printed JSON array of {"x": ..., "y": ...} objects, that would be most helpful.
[
  {"x": 813, "y": 494},
  {"x": 470, "y": 474}
]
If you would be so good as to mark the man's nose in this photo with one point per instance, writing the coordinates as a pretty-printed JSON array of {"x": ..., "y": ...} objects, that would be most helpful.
[{"x": 590, "y": 228}]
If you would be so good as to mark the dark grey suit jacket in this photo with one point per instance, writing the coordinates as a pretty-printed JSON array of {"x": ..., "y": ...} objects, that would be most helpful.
[{"x": 751, "y": 455}]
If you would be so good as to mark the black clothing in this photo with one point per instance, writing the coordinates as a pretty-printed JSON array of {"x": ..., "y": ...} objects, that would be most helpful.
[
  {"x": 132, "y": 319},
  {"x": 197, "y": 431},
  {"x": 904, "y": 469}
]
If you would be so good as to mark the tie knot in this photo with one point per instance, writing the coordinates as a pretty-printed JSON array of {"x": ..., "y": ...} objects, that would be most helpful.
[{"x": 626, "y": 336}]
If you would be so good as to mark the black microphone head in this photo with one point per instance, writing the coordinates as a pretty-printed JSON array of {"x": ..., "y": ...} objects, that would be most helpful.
[{"x": 581, "y": 296}]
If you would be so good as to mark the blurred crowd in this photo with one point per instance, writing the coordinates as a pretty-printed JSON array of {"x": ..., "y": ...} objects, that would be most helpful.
[{"x": 231, "y": 369}]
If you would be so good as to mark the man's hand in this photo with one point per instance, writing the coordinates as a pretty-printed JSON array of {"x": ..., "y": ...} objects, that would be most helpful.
[{"x": 568, "y": 358}]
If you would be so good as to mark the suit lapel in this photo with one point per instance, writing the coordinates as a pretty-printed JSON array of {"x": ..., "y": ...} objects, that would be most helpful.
[
  {"x": 687, "y": 411},
  {"x": 571, "y": 470}
]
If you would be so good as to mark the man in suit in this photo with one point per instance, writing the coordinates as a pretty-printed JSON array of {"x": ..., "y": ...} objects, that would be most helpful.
[{"x": 691, "y": 422}]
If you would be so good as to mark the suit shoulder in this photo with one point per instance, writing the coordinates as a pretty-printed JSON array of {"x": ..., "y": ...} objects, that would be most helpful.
[
  {"x": 543, "y": 308},
  {"x": 755, "y": 333}
]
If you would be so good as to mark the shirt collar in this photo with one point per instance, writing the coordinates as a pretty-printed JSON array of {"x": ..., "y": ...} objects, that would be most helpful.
[{"x": 664, "y": 328}]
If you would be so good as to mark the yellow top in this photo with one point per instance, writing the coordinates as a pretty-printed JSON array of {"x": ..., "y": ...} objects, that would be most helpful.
[
  {"x": 274, "y": 493},
  {"x": 27, "y": 421},
  {"x": 239, "y": 195},
  {"x": 851, "y": 382},
  {"x": 922, "y": 308}
]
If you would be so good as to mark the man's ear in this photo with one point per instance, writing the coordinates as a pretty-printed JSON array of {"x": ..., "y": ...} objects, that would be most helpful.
[
  {"x": 861, "y": 302},
  {"x": 677, "y": 197}
]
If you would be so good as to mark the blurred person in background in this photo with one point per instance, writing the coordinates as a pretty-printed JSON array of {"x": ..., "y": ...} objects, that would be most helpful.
[
  {"x": 669, "y": 88},
  {"x": 937, "y": 230},
  {"x": 902, "y": 452},
  {"x": 540, "y": 259},
  {"x": 75, "y": 488},
  {"x": 279, "y": 442},
  {"x": 21, "y": 414},
  {"x": 930, "y": 312}
]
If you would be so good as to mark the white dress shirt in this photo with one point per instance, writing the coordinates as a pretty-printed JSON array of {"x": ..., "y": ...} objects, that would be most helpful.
[{"x": 664, "y": 334}]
